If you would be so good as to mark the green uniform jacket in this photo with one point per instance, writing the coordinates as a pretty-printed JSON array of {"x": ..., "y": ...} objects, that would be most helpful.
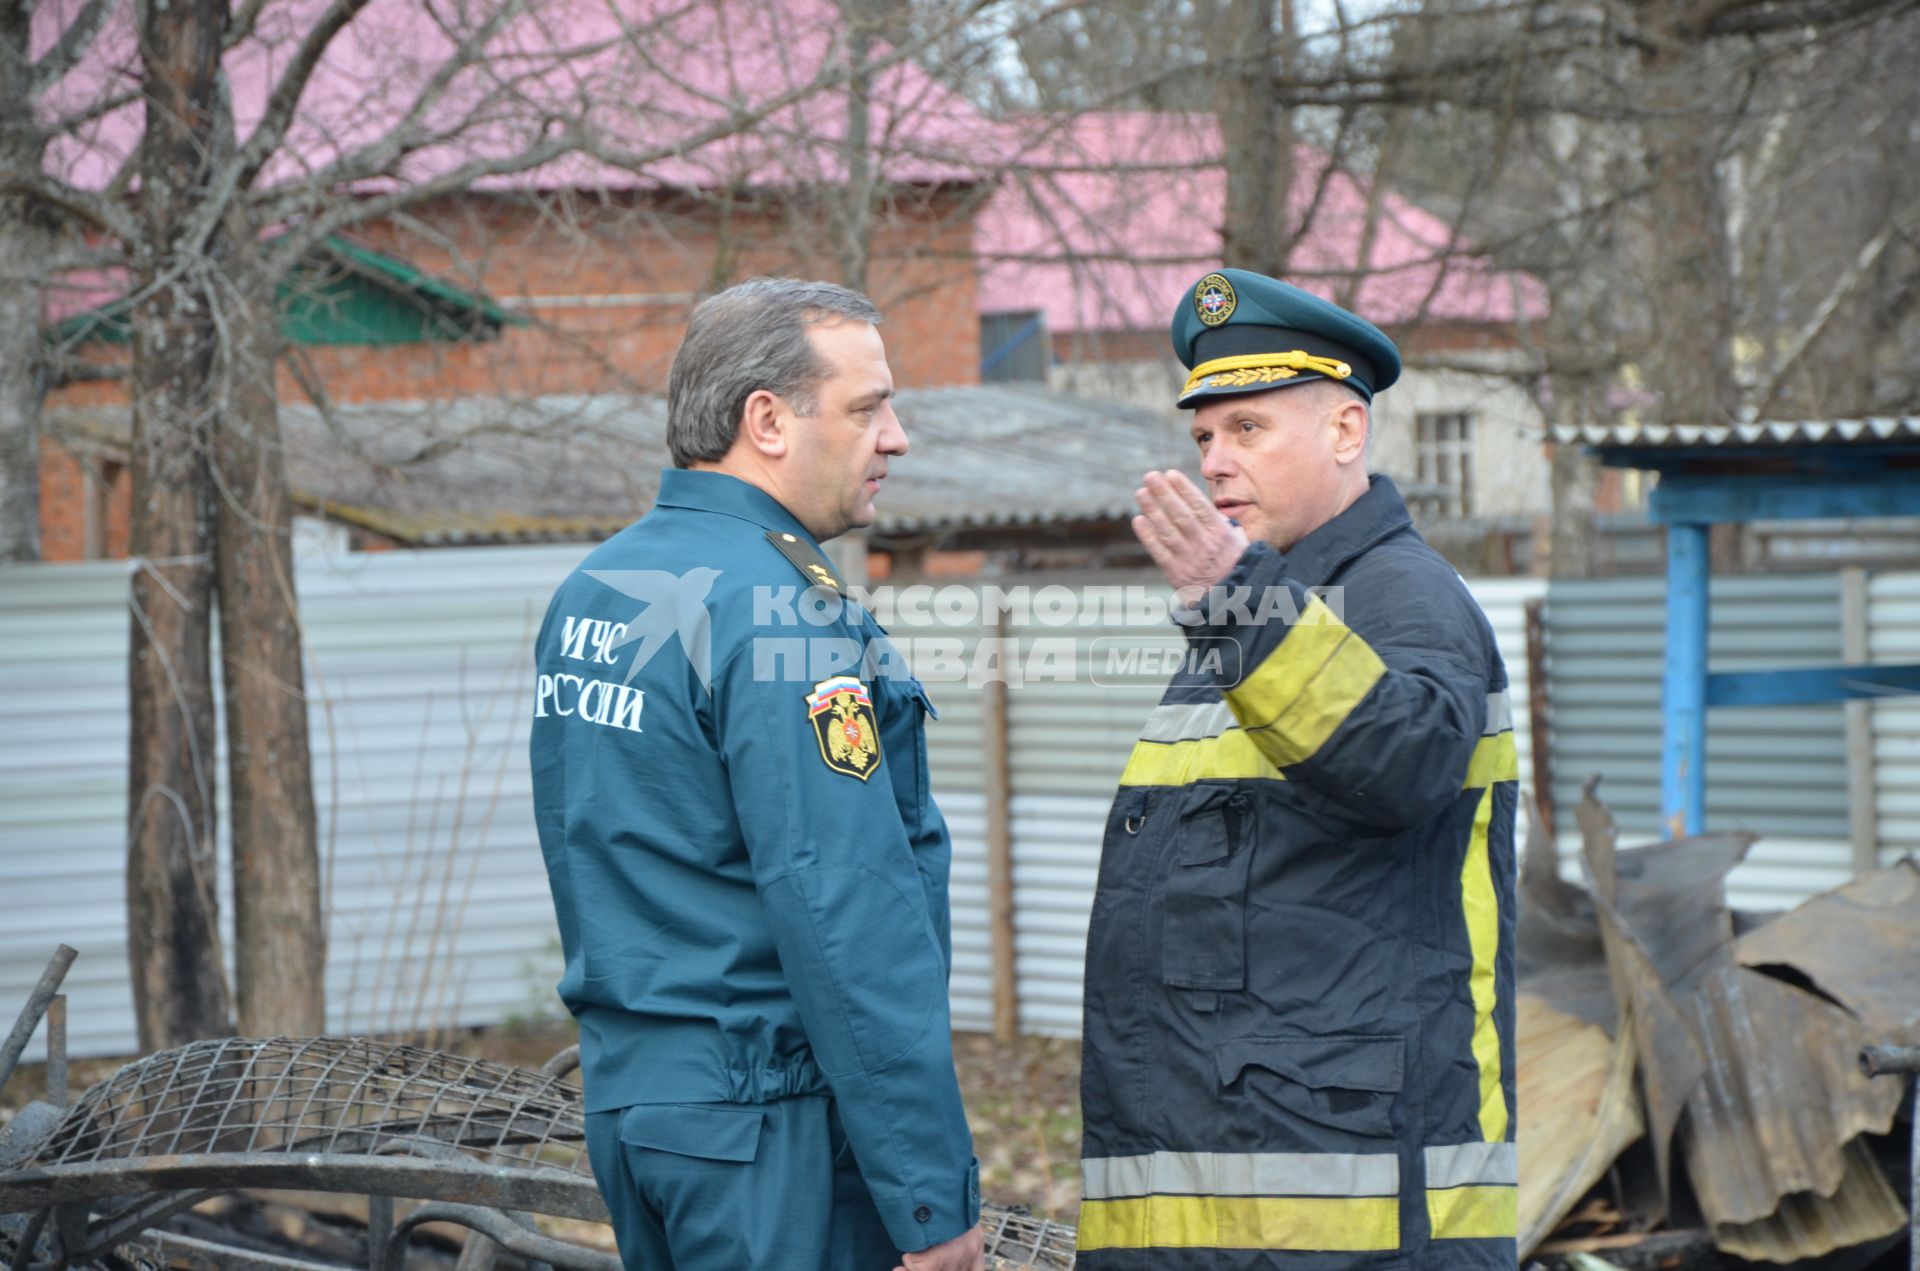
[
  {"x": 1299, "y": 1006},
  {"x": 750, "y": 876}
]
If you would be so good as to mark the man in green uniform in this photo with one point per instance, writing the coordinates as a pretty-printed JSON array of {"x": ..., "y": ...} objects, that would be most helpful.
[
  {"x": 1299, "y": 1001},
  {"x": 730, "y": 784}
]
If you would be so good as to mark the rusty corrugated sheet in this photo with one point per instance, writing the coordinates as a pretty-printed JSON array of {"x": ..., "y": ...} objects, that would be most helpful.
[
  {"x": 1858, "y": 944},
  {"x": 1664, "y": 922},
  {"x": 1864, "y": 1203},
  {"x": 1770, "y": 1123},
  {"x": 1578, "y": 1111},
  {"x": 1556, "y": 937},
  {"x": 1764, "y": 1071}
]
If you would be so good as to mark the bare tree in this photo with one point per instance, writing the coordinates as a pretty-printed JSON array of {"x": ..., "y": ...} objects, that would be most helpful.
[
  {"x": 180, "y": 989},
  {"x": 25, "y": 245}
]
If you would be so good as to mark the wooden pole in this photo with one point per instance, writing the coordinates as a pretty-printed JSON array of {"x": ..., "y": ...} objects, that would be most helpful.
[
  {"x": 1540, "y": 715},
  {"x": 996, "y": 750}
]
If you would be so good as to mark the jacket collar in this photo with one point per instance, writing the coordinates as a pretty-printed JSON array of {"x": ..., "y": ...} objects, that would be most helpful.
[
  {"x": 1379, "y": 513},
  {"x": 709, "y": 491}
]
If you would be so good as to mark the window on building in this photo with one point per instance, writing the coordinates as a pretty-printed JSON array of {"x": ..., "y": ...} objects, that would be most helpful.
[
  {"x": 1013, "y": 348},
  {"x": 1443, "y": 460}
]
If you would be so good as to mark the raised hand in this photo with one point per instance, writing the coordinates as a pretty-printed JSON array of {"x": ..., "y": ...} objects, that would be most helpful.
[{"x": 1194, "y": 545}]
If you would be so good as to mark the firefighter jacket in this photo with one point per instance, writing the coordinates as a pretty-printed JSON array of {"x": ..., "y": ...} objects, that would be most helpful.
[
  {"x": 750, "y": 875},
  {"x": 1298, "y": 1043}
]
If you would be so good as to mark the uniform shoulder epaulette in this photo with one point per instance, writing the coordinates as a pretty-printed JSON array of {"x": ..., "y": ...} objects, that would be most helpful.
[{"x": 814, "y": 567}]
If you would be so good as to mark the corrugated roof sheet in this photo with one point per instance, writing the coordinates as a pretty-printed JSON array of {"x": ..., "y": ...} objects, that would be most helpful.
[
  {"x": 1774, "y": 1103},
  {"x": 490, "y": 470},
  {"x": 1878, "y": 430}
]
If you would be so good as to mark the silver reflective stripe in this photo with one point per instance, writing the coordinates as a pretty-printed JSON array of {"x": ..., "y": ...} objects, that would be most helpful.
[
  {"x": 1241, "y": 1174},
  {"x": 1470, "y": 1164},
  {"x": 1198, "y": 721},
  {"x": 1499, "y": 714},
  {"x": 1188, "y": 723}
]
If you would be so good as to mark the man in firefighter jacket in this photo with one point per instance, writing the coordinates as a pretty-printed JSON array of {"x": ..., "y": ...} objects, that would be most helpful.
[{"x": 1299, "y": 1039}]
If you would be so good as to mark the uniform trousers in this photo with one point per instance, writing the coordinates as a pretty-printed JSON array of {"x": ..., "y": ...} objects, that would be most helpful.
[{"x": 736, "y": 1187}]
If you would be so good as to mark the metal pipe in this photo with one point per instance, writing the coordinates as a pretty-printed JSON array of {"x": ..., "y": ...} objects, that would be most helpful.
[
  {"x": 30, "y": 1241},
  {"x": 57, "y": 1051},
  {"x": 381, "y": 1253},
  {"x": 516, "y": 1236},
  {"x": 1877, "y": 1061},
  {"x": 37, "y": 1003},
  {"x": 1683, "y": 760}
]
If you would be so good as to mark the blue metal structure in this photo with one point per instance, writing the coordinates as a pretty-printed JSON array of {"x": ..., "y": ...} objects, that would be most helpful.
[{"x": 1820, "y": 470}]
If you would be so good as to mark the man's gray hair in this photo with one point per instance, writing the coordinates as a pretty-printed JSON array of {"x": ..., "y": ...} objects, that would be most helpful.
[{"x": 750, "y": 337}]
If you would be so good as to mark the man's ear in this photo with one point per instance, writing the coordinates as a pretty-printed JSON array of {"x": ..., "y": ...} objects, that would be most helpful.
[
  {"x": 1350, "y": 421},
  {"x": 764, "y": 421}
]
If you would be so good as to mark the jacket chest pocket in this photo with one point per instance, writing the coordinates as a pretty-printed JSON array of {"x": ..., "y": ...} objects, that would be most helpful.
[{"x": 1204, "y": 927}]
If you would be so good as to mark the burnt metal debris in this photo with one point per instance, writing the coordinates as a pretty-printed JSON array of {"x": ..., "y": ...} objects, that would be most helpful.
[
  {"x": 1745, "y": 1048},
  {"x": 484, "y": 1144}
]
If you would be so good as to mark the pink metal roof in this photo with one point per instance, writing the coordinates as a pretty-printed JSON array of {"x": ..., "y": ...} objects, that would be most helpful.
[
  {"x": 1107, "y": 219},
  {"x": 663, "y": 78}
]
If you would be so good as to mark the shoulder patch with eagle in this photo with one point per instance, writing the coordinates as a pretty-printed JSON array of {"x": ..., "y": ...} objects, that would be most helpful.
[{"x": 842, "y": 716}]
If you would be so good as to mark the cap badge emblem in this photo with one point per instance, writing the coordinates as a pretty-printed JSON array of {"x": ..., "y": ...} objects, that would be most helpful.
[{"x": 1214, "y": 300}]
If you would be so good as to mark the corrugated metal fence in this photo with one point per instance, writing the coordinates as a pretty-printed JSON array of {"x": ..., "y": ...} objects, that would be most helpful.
[
  {"x": 1778, "y": 771},
  {"x": 1892, "y": 799},
  {"x": 439, "y": 907},
  {"x": 439, "y": 912}
]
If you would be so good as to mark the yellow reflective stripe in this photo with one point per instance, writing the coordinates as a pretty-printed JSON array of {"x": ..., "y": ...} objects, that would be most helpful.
[
  {"x": 1481, "y": 905},
  {"x": 1342, "y": 1224},
  {"x": 1307, "y": 687},
  {"x": 1230, "y": 756},
  {"x": 1494, "y": 759},
  {"x": 1474, "y": 1213},
  {"x": 1233, "y": 756}
]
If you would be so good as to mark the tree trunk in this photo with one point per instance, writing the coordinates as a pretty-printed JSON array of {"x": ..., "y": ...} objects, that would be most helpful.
[
  {"x": 1257, "y": 138},
  {"x": 279, "y": 939},
  {"x": 179, "y": 979},
  {"x": 1692, "y": 357},
  {"x": 24, "y": 244},
  {"x": 21, "y": 381},
  {"x": 1574, "y": 476}
]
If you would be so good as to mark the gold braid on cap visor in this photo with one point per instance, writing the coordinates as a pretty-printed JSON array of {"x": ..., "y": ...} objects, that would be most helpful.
[{"x": 1262, "y": 368}]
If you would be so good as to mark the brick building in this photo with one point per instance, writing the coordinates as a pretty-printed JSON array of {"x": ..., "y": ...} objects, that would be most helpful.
[
  {"x": 586, "y": 272},
  {"x": 1116, "y": 215}
]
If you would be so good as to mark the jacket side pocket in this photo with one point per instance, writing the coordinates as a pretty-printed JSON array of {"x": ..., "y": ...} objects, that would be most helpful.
[
  {"x": 1332, "y": 1092},
  {"x": 1204, "y": 929},
  {"x": 709, "y": 1132}
]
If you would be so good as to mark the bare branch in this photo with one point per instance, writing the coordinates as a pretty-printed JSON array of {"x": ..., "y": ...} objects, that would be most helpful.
[
  {"x": 95, "y": 211},
  {"x": 1763, "y": 17},
  {"x": 1803, "y": 339},
  {"x": 285, "y": 97},
  {"x": 70, "y": 47}
]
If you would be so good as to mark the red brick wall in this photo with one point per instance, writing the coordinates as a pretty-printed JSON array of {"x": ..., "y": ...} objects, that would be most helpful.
[
  {"x": 659, "y": 258},
  {"x": 67, "y": 504},
  {"x": 660, "y": 255}
]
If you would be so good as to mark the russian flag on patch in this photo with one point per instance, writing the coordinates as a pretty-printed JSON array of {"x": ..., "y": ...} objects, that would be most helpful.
[{"x": 826, "y": 690}]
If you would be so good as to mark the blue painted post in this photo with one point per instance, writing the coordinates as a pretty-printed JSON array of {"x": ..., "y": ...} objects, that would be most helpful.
[{"x": 1683, "y": 760}]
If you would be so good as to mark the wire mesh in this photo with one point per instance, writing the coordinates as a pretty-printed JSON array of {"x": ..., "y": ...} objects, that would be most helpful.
[
  {"x": 1018, "y": 1239},
  {"x": 354, "y": 1096},
  {"x": 331, "y": 1095}
]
